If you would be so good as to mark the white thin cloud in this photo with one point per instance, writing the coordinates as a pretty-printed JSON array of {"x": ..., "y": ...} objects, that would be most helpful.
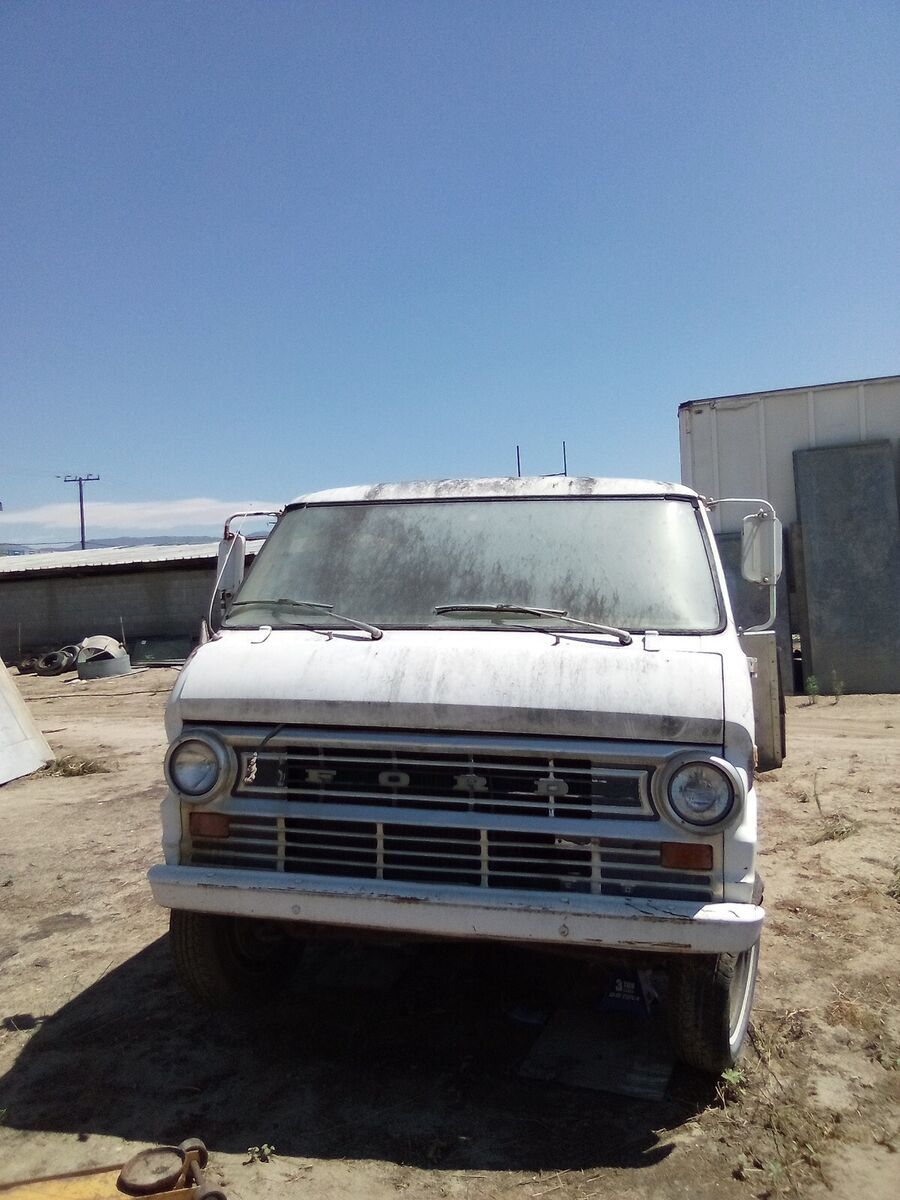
[{"x": 138, "y": 516}]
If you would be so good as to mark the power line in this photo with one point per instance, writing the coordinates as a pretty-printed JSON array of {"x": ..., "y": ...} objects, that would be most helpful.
[{"x": 81, "y": 480}]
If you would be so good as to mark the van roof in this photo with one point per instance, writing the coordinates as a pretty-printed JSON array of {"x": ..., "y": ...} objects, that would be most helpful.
[{"x": 485, "y": 489}]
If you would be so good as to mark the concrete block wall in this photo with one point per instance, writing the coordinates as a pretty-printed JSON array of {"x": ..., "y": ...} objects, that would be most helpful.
[{"x": 53, "y": 610}]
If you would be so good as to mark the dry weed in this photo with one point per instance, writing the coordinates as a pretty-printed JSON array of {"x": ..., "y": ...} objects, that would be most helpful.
[
  {"x": 844, "y": 1010},
  {"x": 781, "y": 1136},
  {"x": 865, "y": 1009},
  {"x": 773, "y": 1033},
  {"x": 75, "y": 764},
  {"x": 836, "y": 827},
  {"x": 874, "y": 989}
]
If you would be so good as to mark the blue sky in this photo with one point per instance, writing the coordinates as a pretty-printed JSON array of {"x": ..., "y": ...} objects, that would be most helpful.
[{"x": 254, "y": 249}]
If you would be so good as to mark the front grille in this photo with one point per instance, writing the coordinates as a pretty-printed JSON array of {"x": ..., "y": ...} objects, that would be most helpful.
[
  {"x": 450, "y": 855},
  {"x": 571, "y": 788}
]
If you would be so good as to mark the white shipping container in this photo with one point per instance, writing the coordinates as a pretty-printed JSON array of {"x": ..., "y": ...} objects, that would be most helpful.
[{"x": 744, "y": 445}]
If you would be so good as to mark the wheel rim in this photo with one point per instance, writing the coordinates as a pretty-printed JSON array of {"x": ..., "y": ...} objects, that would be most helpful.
[{"x": 741, "y": 999}]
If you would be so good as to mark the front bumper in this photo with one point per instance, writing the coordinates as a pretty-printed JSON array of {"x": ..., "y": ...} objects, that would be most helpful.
[{"x": 615, "y": 923}]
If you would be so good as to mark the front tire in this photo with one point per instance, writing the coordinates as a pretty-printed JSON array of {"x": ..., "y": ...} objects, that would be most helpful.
[
  {"x": 225, "y": 961},
  {"x": 710, "y": 997}
]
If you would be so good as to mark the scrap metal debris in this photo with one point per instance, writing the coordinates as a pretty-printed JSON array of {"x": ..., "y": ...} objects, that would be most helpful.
[{"x": 101, "y": 657}]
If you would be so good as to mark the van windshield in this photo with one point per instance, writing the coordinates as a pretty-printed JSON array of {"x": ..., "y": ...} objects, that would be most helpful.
[{"x": 635, "y": 564}]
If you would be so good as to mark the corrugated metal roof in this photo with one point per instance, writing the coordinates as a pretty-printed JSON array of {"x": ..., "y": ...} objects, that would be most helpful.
[
  {"x": 119, "y": 556},
  {"x": 475, "y": 489}
]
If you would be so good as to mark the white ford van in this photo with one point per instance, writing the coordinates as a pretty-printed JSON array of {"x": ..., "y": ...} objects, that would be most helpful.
[{"x": 510, "y": 709}]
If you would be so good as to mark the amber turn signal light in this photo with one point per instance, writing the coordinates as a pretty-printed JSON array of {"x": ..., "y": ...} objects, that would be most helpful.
[
  {"x": 685, "y": 856},
  {"x": 210, "y": 825}
]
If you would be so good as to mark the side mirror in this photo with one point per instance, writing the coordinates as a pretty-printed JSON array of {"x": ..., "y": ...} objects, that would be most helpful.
[
  {"x": 761, "y": 549},
  {"x": 230, "y": 565},
  {"x": 229, "y": 570}
]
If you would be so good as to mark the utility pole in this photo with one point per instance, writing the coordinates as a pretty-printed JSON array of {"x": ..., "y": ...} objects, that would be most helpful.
[{"x": 81, "y": 480}]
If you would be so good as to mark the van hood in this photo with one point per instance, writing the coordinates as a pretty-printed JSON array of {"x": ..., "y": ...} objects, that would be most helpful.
[{"x": 506, "y": 681}]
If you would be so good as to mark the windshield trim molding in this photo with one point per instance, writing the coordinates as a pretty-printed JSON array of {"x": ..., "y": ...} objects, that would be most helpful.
[{"x": 568, "y": 499}]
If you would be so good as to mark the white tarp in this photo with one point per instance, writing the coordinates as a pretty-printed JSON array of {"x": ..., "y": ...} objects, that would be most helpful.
[{"x": 23, "y": 748}]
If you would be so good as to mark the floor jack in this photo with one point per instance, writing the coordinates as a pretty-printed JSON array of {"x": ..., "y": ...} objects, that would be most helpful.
[{"x": 160, "y": 1173}]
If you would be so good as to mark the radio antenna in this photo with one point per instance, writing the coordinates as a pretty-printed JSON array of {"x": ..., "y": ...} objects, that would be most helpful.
[{"x": 565, "y": 462}]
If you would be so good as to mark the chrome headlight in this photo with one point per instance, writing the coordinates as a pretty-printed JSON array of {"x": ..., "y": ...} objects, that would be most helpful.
[
  {"x": 700, "y": 793},
  {"x": 198, "y": 767}
]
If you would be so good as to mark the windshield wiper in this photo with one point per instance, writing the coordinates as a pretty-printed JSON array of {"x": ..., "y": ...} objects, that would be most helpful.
[
  {"x": 284, "y": 602},
  {"x": 561, "y": 614}
]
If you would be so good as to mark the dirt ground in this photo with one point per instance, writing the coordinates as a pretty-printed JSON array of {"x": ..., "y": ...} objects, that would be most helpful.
[{"x": 367, "y": 1090}]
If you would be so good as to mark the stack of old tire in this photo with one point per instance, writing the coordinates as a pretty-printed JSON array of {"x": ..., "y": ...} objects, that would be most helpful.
[
  {"x": 94, "y": 658},
  {"x": 56, "y": 662}
]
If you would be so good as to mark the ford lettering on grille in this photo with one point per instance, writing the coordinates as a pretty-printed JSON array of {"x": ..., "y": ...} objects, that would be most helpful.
[{"x": 564, "y": 787}]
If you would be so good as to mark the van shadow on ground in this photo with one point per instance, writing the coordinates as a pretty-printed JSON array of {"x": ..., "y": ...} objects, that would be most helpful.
[{"x": 421, "y": 1072}]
